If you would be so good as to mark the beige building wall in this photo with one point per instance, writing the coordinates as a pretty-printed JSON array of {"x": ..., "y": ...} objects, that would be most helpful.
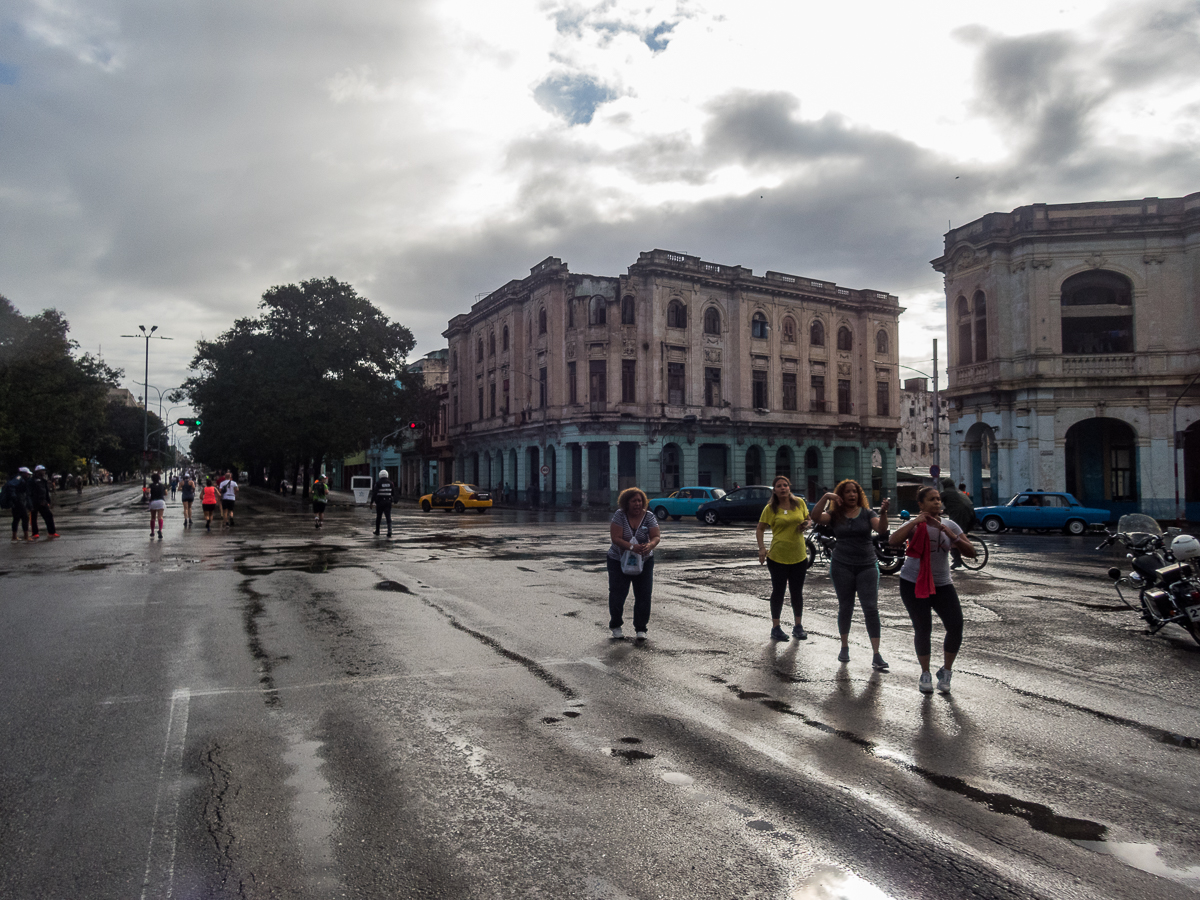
[{"x": 679, "y": 372}]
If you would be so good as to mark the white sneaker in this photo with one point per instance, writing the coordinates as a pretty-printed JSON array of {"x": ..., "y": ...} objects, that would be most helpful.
[
  {"x": 641, "y": 636},
  {"x": 926, "y": 683},
  {"x": 943, "y": 677},
  {"x": 618, "y": 634}
]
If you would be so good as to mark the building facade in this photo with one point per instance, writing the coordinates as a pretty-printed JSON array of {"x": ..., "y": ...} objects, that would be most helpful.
[
  {"x": 427, "y": 455},
  {"x": 914, "y": 447},
  {"x": 566, "y": 388},
  {"x": 1072, "y": 339}
]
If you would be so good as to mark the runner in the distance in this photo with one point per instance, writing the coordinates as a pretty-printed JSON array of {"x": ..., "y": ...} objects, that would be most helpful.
[
  {"x": 187, "y": 493},
  {"x": 208, "y": 502},
  {"x": 158, "y": 503},
  {"x": 229, "y": 492},
  {"x": 320, "y": 497}
]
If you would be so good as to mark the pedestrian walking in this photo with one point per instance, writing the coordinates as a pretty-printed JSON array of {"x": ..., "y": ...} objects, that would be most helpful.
[
  {"x": 158, "y": 503},
  {"x": 208, "y": 502},
  {"x": 174, "y": 484},
  {"x": 16, "y": 497},
  {"x": 958, "y": 507},
  {"x": 786, "y": 517},
  {"x": 320, "y": 497},
  {"x": 926, "y": 586},
  {"x": 635, "y": 533},
  {"x": 229, "y": 492},
  {"x": 79, "y": 485},
  {"x": 381, "y": 499},
  {"x": 187, "y": 495},
  {"x": 40, "y": 492},
  {"x": 854, "y": 569}
]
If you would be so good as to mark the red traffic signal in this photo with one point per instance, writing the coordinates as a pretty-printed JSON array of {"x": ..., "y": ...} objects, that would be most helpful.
[{"x": 416, "y": 426}]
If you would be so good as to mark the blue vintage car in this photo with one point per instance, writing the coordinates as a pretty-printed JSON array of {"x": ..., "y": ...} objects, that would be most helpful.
[
  {"x": 1041, "y": 510},
  {"x": 684, "y": 502}
]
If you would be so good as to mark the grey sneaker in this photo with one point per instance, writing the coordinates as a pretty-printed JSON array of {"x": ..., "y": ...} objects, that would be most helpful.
[
  {"x": 844, "y": 656},
  {"x": 641, "y": 636},
  {"x": 799, "y": 633},
  {"x": 618, "y": 634},
  {"x": 778, "y": 634},
  {"x": 926, "y": 683},
  {"x": 943, "y": 679},
  {"x": 878, "y": 662}
]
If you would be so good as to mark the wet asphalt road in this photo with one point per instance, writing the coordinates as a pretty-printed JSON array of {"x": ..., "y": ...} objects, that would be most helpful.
[{"x": 280, "y": 712}]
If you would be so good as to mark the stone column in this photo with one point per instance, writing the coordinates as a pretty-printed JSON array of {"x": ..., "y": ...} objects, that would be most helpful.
[
  {"x": 689, "y": 462},
  {"x": 562, "y": 464},
  {"x": 583, "y": 474},
  {"x": 613, "y": 448},
  {"x": 827, "y": 482},
  {"x": 521, "y": 476},
  {"x": 649, "y": 480}
]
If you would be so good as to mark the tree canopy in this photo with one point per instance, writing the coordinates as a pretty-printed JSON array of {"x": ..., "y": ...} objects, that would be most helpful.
[
  {"x": 53, "y": 400},
  {"x": 320, "y": 372}
]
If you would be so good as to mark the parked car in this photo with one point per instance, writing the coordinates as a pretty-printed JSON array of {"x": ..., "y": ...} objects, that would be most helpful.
[
  {"x": 743, "y": 505},
  {"x": 1041, "y": 510},
  {"x": 458, "y": 497},
  {"x": 684, "y": 502}
]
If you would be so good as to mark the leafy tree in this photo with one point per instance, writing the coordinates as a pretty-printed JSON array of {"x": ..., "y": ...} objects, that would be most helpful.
[
  {"x": 319, "y": 373},
  {"x": 52, "y": 401}
]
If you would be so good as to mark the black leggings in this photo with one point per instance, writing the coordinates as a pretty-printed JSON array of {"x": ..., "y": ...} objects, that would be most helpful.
[
  {"x": 943, "y": 601},
  {"x": 862, "y": 580},
  {"x": 20, "y": 517},
  {"x": 787, "y": 576},
  {"x": 383, "y": 510},
  {"x": 47, "y": 517}
]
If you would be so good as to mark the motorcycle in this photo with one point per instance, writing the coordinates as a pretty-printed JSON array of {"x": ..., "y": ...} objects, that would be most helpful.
[
  {"x": 1167, "y": 583},
  {"x": 821, "y": 542}
]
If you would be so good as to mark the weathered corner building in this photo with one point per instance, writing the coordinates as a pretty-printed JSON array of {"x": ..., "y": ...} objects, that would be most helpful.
[
  {"x": 1073, "y": 334},
  {"x": 565, "y": 388}
]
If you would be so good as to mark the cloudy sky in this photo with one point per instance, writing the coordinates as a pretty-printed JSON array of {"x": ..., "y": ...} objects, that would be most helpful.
[{"x": 166, "y": 163}]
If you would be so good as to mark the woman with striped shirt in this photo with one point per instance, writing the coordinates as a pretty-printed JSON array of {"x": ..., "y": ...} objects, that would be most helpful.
[{"x": 633, "y": 527}]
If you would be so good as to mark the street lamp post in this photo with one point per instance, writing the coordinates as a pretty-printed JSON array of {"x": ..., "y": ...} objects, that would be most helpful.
[{"x": 146, "y": 393}]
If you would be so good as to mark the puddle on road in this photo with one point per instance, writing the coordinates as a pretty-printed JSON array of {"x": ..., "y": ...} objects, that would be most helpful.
[
  {"x": 91, "y": 567},
  {"x": 313, "y": 815},
  {"x": 678, "y": 778},
  {"x": 629, "y": 757},
  {"x": 393, "y": 586},
  {"x": 830, "y": 883},
  {"x": 1145, "y": 857}
]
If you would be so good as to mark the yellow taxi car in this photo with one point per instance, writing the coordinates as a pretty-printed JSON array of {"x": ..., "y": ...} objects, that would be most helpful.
[{"x": 458, "y": 497}]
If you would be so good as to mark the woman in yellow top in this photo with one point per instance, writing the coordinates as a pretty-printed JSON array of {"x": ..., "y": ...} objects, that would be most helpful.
[{"x": 786, "y": 516}]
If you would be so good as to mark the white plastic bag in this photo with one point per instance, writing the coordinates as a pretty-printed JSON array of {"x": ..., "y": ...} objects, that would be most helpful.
[{"x": 631, "y": 562}]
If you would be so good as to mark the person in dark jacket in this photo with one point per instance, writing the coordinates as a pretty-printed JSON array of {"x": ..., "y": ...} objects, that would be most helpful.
[
  {"x": 39, "y": 495},
  {"x": 21, "y": 499},
  {"x": 381, "y": 499},
  {"x": 960, "y": 510}
]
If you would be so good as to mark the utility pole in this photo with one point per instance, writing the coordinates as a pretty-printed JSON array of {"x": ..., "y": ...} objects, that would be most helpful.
[
  {"x": 937, "y": 416},
  {"x": 146, "y": 395}
]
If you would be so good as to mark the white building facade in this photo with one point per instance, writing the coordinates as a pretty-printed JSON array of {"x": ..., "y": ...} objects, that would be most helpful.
[{"x": 1072, "y": 332}]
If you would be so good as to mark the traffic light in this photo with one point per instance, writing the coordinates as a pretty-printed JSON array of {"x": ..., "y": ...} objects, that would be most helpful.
[
  {"x": 416, "y": 426},
  {"x": 189, "y": 423}
]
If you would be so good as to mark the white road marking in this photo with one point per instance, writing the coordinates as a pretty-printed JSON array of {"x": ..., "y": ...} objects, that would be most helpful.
[{"x": 159, "y": 880}]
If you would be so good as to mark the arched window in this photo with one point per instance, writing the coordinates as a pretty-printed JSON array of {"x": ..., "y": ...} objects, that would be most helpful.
[
  {"x": 845, "y": 339},
  {"x": 597, "y": 313},
  {"x": 491, "y": 343},
  {"x": 479, "y": 351},
  {"x": 965, "y": 357},
  {"x": 712, "y": 320},
  {"x": 881, "y": 343},
  {"x": 676, "y": 315},
  {"x": 542, "y": 320},
  {"x": 816, "y": 334},
  {"x": 504, "y": 338},
  {"x": 626, "y": 310},
  {"x": 1096, "y": 313},
  {"x": 981, "y": 351},
  {"x": 758, "y": 326},
  {"x": 789, "y": 330}
]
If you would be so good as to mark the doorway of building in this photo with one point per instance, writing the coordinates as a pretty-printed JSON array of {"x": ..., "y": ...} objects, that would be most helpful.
[
  {"x": 845, "y": 464},
  {"x": 754, "y": 466},
  {"x": 670, "y": 468},
  {"x": 1101, "y": 465},
  {"x": 714, "y": 466}
]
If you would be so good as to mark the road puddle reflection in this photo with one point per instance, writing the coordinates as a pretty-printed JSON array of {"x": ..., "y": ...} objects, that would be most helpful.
[
  {"x": 313, "y": 815},
  {"x": 829, "y": 883},
  {"x": 1145, "y": 857}
]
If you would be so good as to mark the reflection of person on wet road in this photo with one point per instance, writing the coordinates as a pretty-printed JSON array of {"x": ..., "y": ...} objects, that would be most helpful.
[
  {"x": 381, "y": 499},
  {"x": 158, "y": 503},
  {"x": 320, "y": 497},
  {"x": 187, "y": 494},
  {"x": 633, "y": 527},
  {"x": 855, "y": 568},
  {"x": 787, "y": 560},
  {"x": 926, "y": 586},
  {"x": 208, "y": 502}
]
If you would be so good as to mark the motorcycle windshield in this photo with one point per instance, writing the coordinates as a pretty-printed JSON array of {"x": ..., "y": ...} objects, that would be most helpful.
[{"x": 1138, "y": 523}]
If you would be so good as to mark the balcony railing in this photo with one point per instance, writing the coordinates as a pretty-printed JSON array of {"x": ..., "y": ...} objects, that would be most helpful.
[{"x": 1113, "y": 364}]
